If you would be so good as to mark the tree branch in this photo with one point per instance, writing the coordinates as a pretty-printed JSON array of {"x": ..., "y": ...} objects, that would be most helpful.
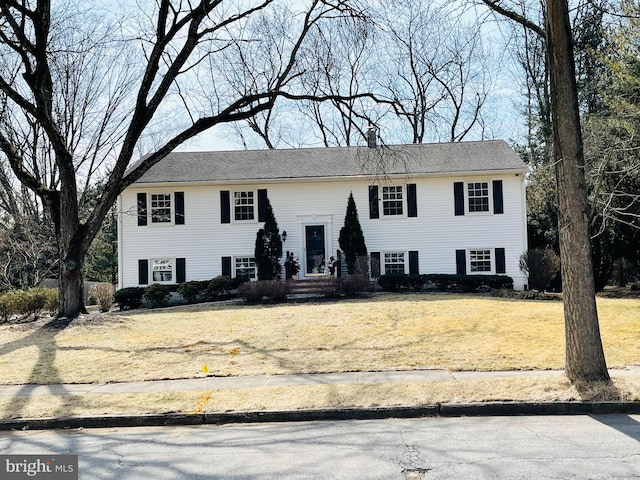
[{"x": 521, "y": 19}]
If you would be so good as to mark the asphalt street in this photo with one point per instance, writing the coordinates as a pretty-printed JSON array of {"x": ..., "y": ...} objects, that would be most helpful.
[{"x": 519, "y": 447}]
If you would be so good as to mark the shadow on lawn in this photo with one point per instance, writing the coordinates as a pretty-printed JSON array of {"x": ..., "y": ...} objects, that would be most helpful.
[{"x": 44, "y": 339}]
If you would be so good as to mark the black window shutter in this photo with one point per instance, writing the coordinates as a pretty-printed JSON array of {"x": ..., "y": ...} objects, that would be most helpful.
[
  {"x": 226, "y": 266},
  {"x": 501, "y": 266},
  {"x": 498, "y": 204},
  {"x": 374, "y": 211},
  {"x": 461, "y": 262},
  {"x": 413, "y": 263},
  {"x": 458, "y": 196},
  {"x": 225, "y": 206},
  {"x": 412, "y": 200},
  {"x": 142, "y": 209},
  {"x": 375, "y": 264},
  {"x": 143, "y": 272},
  {"x": 179, "y": 200},
  {"x": 262, "y": 205},
  {"x": 181, "y": 270}
]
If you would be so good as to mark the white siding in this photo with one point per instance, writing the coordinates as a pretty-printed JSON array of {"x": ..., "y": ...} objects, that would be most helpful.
[{"x": 436, "y": 233}]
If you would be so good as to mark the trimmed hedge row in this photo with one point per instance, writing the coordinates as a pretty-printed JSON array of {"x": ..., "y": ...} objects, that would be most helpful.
[
  {"x": 157, "y": 295},
  {"x": 399, "y": 282},
  {"x": 28, "y": 302}
]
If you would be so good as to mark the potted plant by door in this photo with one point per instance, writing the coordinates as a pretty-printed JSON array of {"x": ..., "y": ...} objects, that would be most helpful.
[{"x": 292, "y": 266}]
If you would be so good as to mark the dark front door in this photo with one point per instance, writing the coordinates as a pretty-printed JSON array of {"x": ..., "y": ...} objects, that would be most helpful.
[{"x": 316, "y": 253}]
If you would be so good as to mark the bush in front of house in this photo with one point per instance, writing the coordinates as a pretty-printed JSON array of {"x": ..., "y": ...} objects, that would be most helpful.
[
  {"x": 525, "y": 295},
  {"x": 394, "y": 282},
  {"x": 264, "y": 291},
  {"x": 194, "y": 291},
  {"x": 102, "y": 293},
  {"x": 399, "y": 282},
  {"x": 221, "y": 285},
  {"x": 129, "y": 298},
  {"x": 354, "y": 285},
  {"x": 156, "y": 294}
]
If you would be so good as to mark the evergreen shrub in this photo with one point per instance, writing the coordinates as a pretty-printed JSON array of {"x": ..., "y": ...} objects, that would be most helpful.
[
  {"x": 28, "y": 302},
  {"x": 399, "y": 282},
  {"x": 129, "y": 298},
  {"x": 157, "y": 294},
  {"x": 220, "y": 285},
  {"x": 194, "y": 291}
]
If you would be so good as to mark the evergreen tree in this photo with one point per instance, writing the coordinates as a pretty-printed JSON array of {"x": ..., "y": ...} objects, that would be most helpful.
[
  {"x": 268, "y": 247},
  {"x": 351, "y": 236},
  {"x": 102, "y": 258}
]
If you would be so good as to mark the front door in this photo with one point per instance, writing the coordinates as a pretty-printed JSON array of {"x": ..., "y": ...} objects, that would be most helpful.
[{"x": 316, "y": 252}]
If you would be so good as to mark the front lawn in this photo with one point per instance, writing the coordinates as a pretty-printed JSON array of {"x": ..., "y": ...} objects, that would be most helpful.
[{"x": 385, "y": 332}]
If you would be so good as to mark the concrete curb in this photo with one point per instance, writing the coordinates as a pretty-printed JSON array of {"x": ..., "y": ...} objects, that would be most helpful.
[{"x": 372, "y": 413}]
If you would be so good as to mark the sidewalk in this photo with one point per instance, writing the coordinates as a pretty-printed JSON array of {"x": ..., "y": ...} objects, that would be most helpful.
[{"x": 214, "y": 383}]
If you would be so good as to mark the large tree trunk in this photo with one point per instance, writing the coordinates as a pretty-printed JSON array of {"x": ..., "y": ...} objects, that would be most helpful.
[
  {"x": 71, "y": 291},
  {"x": 73, "y": 242},
  {"x": 584, "y": 353}
]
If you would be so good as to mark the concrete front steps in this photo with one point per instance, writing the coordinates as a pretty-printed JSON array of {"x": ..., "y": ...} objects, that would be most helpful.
[{"x": 314, "y": 286}]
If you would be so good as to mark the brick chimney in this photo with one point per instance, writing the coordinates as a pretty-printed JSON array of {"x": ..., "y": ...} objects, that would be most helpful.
[{"x": 372, "y": 137}]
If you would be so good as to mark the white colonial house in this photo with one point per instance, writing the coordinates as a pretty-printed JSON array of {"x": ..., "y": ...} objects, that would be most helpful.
[{"x": 429, "y": 208}]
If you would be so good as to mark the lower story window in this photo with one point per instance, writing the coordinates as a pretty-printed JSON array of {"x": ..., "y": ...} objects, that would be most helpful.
[
  {"x": 394, "y": 262},
  {"x": 480, "y": 260},
  {"x": 162, "y": 270},
  {"x": 245, "y": 268}
]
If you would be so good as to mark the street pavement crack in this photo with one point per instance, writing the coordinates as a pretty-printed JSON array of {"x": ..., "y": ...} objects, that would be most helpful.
[{"x": 411, "y": 460}]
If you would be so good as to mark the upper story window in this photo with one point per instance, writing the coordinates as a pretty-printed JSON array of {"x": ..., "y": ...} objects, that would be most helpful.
[
  {"x": 160, "y": 208},
  {"x": 480, "y": 260},
  {"x": 244, "y": 205},
  {"x": 245, "y": 268},
  {"x": 162, "y": 270},
  {"x": 394, "y": 262},
  {"x": 478, "y": 195},
  {"x": 392, "y": 200}
]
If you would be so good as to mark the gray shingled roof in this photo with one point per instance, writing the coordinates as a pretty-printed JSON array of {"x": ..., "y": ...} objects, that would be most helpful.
[{"x": 435, "y": 158}]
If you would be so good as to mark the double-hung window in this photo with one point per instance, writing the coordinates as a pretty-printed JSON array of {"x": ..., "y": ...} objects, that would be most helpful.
[
  {"x": 394, "y": 262},
  {"x": 480, "y": 261},
  {"x": 244, "y": 205},
  {"x": 478, "y": 195},
  {"x": 162, "y": 270},
  {"x": 160, "y": 208},
  {"x": 392, "y": 200},
  {"x": 245, "y": 268}
]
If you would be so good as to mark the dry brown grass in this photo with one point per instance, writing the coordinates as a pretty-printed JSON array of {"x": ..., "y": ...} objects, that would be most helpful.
[
  {"x": 382, "y": 333},
  {"x": 532, "y": 389},
  {"x": 386, "y": 332}
]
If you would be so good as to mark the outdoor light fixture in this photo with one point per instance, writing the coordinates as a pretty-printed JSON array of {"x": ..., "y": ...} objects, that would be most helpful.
[{"x": 284, "y": 235}]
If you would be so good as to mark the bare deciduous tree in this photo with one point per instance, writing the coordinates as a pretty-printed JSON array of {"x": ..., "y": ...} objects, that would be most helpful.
[
  {"x": 175, "y": 69},
  {"x": 432, "y": 70}
]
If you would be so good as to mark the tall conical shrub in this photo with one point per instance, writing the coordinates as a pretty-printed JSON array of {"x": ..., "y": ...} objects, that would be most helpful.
[
  {"x": 268, "y": 247},
  {"x": 351, "y": 237}
]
